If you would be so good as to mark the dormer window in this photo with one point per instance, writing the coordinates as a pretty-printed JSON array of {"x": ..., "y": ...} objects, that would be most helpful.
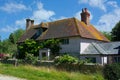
[{"x": 37, "y": 34}]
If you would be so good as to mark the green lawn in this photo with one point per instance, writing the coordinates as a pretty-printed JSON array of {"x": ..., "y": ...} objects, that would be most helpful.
[{"x": 41, "y": 73}]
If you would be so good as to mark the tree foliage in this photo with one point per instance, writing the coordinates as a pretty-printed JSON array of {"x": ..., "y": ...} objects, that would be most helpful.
[
  {"x": 116, "y": 32},
  {"x": 12, "y": 38},
  {"x": 66, "y": 59},
  {"x": 29, "y": 46},
  {"x": 18, "y": 33},
  {"x": 107, "y": 34},
  {"x": 0, "y": 44},
  {"x": 53, "y": 45},
  {"x": 112, "y": 71},
  {"x": 9, "y": 45}
]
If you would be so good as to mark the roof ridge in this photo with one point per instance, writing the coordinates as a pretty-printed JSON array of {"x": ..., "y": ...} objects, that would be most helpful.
[{"x": 75, "y": 20}]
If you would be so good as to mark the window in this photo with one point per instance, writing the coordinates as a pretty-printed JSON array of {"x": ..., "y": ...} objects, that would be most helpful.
[
  {"x": 65, "y": 41},
  {"x": 37, "y": 34},
  {"x": 91, "y": 59}
]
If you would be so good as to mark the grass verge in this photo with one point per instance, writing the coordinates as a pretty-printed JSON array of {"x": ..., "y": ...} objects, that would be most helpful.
[{"x": 41, "y": 73}]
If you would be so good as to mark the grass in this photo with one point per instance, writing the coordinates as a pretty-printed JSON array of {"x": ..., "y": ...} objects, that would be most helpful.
[{"x": 41, "y": 73}]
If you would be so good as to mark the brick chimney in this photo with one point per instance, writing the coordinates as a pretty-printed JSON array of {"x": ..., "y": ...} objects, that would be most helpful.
[
  {"x": 85, "y": 16},
  {"x": 29, "y": 23}
]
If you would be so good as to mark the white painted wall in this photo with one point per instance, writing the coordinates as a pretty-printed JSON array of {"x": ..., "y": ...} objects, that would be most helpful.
[
  {"x": 84, "y": 43},
  {"x": 76, "y": 45},
  {"x": 73, "y": 47}
]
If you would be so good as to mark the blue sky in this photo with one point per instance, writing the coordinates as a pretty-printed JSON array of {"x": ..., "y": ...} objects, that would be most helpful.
[{"x": 104, "y": 13}]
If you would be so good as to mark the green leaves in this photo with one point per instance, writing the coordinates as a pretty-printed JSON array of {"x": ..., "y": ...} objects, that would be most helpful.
[
  {"x": 112, "y": 71},
  {"x": 67, "y": 59},
  {"x": 53, "y": 45},
  {"x": 116, "y": 32},
  {"x": 33, "y": 47},
  {"x": 107, "y": 34},
  {"x": 9, "y": 45},
  {"x": 29, "y": 46},
  {"x": 11, "y": 38}
]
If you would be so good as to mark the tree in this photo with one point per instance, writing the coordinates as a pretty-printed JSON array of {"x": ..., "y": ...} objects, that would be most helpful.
[
  {"x": 5, "y": 46},
  {"x": 17, "y": 34},
  {"x": 116, "y": 32},
  {"x": 107, "y": 34},
  {"x": 9, "y": 45},
  {"x": 11, "y": 38},
  {"x": 0, "y": 45},
  {"x": 0, "y": 38}
]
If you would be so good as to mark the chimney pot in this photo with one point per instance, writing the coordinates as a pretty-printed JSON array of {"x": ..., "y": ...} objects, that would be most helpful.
[
  {"x": 85, "y": 9},
  {"x": 32, "y": 22},
  {"x": 85, "y": 15}
]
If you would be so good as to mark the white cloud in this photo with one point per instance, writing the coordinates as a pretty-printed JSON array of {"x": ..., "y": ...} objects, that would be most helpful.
[
  {"x": 13, "y": 7},
  {"x": 109, "y": 20},
  {"x": 95, "y": 3},
  {"x": 42, "y": 14},
  {"x": 8, "y": 29},
  {"x": 40, "y": 5},
  {"x": 20, "y": 23},
  {"x": 60, "y": 18},
  {"x": 113, "y": 3},
  {"x": 78, "y": 16},
  {"x": 38, "y": 15}
]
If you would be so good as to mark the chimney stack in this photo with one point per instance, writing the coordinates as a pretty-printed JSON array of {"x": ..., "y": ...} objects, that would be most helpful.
[
  {"x": 29, "y": 23},
  {"x": 32, "y": 22},
  {"x": 85, "y": 16}
]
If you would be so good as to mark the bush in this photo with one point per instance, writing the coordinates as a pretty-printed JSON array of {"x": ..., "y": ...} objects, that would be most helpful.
[
  {"x": 67, "y": 59},
  {"x": 30, "y": 58},
  {"x": 112, "y": 71}
]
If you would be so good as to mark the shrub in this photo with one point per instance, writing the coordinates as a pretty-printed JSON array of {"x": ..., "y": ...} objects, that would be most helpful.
[
  {"x": 30, "y": 58},
  {"x": 112, "y": 71},
  {"x": 67, "y": 59}
]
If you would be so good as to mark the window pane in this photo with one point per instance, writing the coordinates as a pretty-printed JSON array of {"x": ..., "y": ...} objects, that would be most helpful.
[{"x": 65, "y": 41}]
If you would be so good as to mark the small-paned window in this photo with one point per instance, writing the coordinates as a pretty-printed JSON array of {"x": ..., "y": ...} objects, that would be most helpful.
[{"x": 65, "y": 41}]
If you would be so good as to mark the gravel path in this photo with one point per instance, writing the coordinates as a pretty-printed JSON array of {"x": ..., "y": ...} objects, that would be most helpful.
[{"x": 4, "y": 77}]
